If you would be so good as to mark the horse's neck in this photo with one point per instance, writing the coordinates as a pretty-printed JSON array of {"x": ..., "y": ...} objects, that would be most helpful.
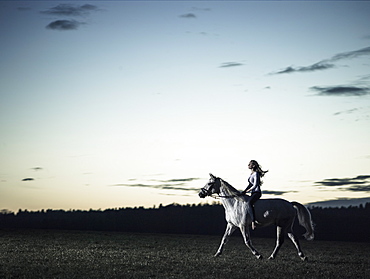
[
  {"x": 227, "y": 200},
  {"x": 235, "y": 208}
]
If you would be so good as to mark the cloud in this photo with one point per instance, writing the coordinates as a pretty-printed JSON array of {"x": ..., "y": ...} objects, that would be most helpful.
[
  {"x": 363, "y": 79},
  {"x": 326, "y": 63},
  {"x": 71, "y": 10},
  {"x": 201, "y": 9},
  {"x": 359, "y": 188},
  {"x": 178, "y": 180},
  {"x": 189, "y": 15},
  {"x": 180, "y": 185},
  {"x": 314, "y": 67},
  {"x": 346, "y": 111},
  {"x": 341, "y": 90},
  {"x": 351, "y": 54},
  {"x": 64, "y": 25},
  {"x": 174, "y": 187},
  {"x": 230, "y": 64},
  {"x": 171, "y": 184},
  {"x": 68, "y": 10},
  {"x": 37, "y": 168},
  {"x": 28, "y": 179},
  {"x": 162, "y": 186},
  {"x": 276, "y": 193},
  {"x": 360, "y": 183}
]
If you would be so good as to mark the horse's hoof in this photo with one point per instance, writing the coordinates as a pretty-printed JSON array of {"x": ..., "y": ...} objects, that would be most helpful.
[
  {"x": 305, "y": 259},
  {"x": 217, "y": 254},
  {"x": 259, "y": 257},
  {"x": 271, "y": 258}
]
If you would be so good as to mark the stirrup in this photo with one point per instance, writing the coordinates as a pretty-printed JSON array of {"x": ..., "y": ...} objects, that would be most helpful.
[{"x": 254, "y": 225}]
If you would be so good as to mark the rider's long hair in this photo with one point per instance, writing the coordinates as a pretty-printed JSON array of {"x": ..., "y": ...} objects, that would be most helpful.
[{"x": 258, "y": 168}]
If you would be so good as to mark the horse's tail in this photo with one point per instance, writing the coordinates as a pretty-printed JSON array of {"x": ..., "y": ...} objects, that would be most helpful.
[{"x": 305, "y": 220}]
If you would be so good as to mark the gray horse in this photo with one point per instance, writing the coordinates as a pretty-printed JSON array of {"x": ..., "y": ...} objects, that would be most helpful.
[{"x": 277, "y": 212}]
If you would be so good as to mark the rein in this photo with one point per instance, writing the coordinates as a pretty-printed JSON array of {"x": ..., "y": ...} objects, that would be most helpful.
[
  {"x": 218, "y": 195},
  {"x": 226, "y": 197}
]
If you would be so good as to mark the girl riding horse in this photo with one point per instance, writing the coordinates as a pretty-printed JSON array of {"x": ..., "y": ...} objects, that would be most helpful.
[{"x": 254, "y": 187}]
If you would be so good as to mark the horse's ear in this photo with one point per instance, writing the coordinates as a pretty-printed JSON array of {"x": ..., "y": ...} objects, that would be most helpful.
[{"x": 212, "y": 176}]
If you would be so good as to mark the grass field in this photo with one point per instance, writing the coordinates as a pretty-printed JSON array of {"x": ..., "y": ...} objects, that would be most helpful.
[{"x": 70, "y": 254}]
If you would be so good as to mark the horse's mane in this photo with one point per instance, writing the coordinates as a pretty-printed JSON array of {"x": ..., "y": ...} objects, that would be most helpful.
[{"x": 231, "y": 191}]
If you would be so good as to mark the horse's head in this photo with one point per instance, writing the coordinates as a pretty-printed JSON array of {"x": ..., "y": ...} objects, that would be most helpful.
[{"x": 212, "y": 187}]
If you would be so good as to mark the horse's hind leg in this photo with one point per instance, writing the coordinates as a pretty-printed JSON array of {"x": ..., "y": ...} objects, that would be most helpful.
[
  {"x": 280, "y": 233},
  {"x": 245, "y": 232},
  {"x": 229, "y": 230},
  {"x": 295, "y": 241}
]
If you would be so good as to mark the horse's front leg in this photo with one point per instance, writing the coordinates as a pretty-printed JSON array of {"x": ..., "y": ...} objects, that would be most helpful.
[
  {"x": 245, "y": 232},
  {"x": 230, "y": 228}
]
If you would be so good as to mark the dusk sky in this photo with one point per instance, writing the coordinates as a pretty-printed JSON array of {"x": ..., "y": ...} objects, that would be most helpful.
[{"x": 121, "y": 104}]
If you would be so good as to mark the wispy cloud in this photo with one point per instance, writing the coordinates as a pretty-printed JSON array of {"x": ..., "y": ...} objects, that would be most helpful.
[
  {"x": 326, "y": 63},
  {"x": 349, "y": 111},
  {"x": 363, "y": 79},
  {"x": 230, "y": 64},
  {"x": 192, "y": 15},
  {"x": 28, "y": 179},
  {"x": 37, "y": 168},
  {"x": 71, "y": 10},
  {"x": 351, "y": 54},
  {"x": 64, "y": 25},
  {"x": 201, "y": 9},
  {"x": 276, "y": 193},
  {"x": 189, "y": 15},
  {"x": 359, "y": 188},
  {"x": 170, "y": 184},
  {"x": 311, "y": 68},
  {"x": 179, "y": 185},
  {"x": 360, "y": 183},
  {"x": 178, "y": 180},
  {"x": 341, "y": 90}
]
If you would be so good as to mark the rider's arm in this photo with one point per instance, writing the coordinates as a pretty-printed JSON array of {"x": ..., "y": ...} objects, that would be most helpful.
[{"x": 248, "y": 187}]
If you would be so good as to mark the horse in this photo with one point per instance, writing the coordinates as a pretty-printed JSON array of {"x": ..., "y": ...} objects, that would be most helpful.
[{"x": 277, "y": 212}]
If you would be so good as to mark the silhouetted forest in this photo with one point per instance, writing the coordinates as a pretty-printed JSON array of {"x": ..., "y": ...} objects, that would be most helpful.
[{"x": 345, "y": 223}]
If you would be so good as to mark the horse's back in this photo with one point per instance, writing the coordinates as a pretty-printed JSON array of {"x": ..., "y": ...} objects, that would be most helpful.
[
  {"x": 271, "y": 210},
  {"x": 274, "y": 202}
]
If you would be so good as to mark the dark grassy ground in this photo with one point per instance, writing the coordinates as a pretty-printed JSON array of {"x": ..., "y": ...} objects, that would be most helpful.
[{"x": 71, "y": 254}]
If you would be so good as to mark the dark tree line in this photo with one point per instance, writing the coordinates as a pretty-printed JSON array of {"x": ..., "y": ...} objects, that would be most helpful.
[{"x": 346, "y": 224}]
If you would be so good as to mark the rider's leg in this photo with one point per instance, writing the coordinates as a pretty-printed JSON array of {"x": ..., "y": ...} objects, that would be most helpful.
[{"x": 254, "y": 197}]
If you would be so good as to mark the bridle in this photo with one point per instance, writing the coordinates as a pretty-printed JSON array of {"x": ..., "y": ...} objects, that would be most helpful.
[{"x": 207, "y": 192}]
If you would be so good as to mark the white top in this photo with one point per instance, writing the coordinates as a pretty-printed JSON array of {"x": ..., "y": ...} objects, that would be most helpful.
[{"x": 254, "y": 182}]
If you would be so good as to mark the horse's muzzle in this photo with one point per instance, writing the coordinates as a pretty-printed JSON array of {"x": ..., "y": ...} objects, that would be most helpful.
[{"x": 202, "y": 193}]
